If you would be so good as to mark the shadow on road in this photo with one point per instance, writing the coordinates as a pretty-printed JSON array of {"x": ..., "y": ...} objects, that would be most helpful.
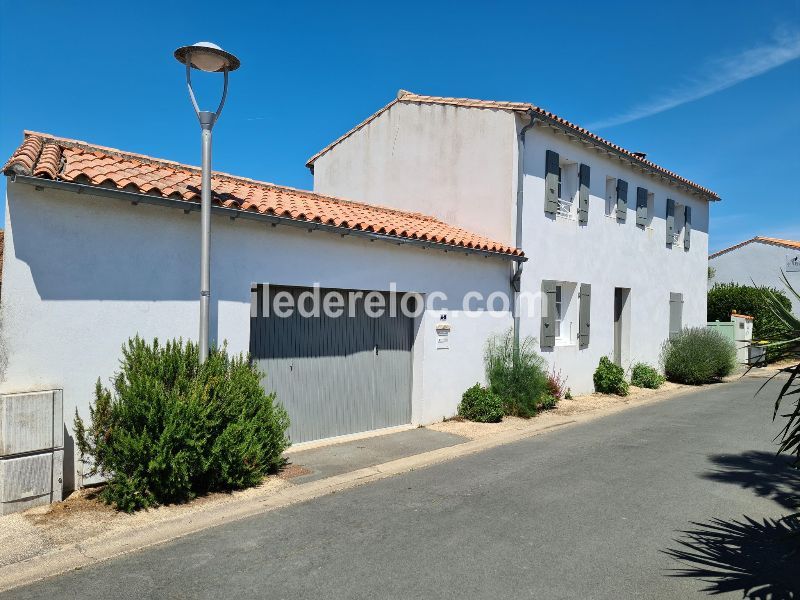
[
  {"x": 767, "y": 474},
  {"x": 760, "y": 560}
]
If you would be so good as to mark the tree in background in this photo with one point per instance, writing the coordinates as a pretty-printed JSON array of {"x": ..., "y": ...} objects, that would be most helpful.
[{"x": 725, "y": 298}]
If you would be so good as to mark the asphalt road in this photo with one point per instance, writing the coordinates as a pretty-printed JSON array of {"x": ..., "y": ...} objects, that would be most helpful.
[{"x": 587, "y": 511}]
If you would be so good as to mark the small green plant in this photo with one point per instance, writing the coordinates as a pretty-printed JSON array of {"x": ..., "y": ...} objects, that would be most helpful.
[
  {"x": 610, "y": 378},
  {"x": 556, "y": 384},
  {"x": 518, "y": 377},
  {"x": 698, "y": 355},
  {"x": 568, "y": 394},
  {"x": 645, "y": 376},
  {"x": 548, "y": 402},
  {"x": 172, "y": 428},
  {"x": 480, "y": 404}
]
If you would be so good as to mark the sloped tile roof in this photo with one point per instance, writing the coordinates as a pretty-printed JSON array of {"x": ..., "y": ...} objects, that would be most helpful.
[
  {"x": 519, "y": 107},
  {"x": 49, "y": 157},
  {"x": 761, "y": 239}
]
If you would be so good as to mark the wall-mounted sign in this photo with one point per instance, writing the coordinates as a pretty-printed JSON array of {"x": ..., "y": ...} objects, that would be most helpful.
[
  {"x": 443, "y": 336},
  {"x": 793, "y": 264}
]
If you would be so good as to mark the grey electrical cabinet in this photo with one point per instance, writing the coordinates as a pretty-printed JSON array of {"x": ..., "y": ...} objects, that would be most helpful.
[{"x": 31, "y": 449}]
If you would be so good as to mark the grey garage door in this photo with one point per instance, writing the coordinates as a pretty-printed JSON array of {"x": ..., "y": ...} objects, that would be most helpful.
[{"x": 334, "y": 374}]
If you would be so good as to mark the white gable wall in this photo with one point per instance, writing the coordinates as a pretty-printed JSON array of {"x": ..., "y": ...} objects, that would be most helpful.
[
  {"x": 760, "y": 263},
  {"x": 455, "y": 163},
  {"x": 84, "y": 273}
]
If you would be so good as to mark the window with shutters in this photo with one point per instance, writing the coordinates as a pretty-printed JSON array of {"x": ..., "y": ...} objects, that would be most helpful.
[
  {"x": 651, "y": 208},
  {"x": 565, "y": 314},
  {"x": 680, "y": 220},
  {"x": 567, "y": 188},
  {"x": 611, "y": 196}
]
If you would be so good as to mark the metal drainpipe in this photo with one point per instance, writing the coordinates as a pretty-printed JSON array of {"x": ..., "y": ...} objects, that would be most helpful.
[{"x": 516, "y": 280}]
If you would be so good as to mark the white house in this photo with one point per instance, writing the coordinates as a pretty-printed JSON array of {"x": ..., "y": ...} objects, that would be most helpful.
[
  {"x": 759, "y": 260},
  {"x": 618, "y": 245},
  {"x": 102, "y": 244}
]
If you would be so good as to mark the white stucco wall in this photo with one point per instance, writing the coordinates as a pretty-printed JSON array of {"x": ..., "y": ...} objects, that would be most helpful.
[
  {"x": 84, "y": 273},
  {"x": 609, "y": 254},
  {"x": 432, "y": 159},
  {"x": 760, "y": 263},
  {"x": 604, "y": 253}
]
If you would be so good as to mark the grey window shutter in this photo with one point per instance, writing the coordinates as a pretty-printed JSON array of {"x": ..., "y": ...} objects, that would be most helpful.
[
  {"x": 670, "y": 219},
  {"x": 551, "y": 182},
  {"x": 548, "y": 336},
  {"x": 622, "y": 199},
  {"x": 641, "y": 206},
  {"x": 675, "y": 314},
  {"x": 688, "y": 230},
  {"x": 584, "y": 313},
  {"x": 583, "y": 193}
]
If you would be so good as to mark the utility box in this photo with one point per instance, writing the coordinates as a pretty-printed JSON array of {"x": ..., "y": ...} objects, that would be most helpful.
[{"x": 31, "y": 449}]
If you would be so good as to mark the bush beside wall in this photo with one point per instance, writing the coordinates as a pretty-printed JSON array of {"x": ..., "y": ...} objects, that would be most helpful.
[
  {"x": 698, "y": 355},
  {"x": 725, "y": 298},
  {"x": 610, "y": 378},
  {"x": 171, "y": 428},
  {"x": 646, "y": 376},
  {"x": 518, "y": 378},
  {"x": 481, "y": 404}
]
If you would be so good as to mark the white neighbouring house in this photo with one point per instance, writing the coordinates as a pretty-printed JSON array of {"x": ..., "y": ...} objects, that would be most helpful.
[
  {"x": 759, "y": 260},
  {"x": 102, "y": 244},
  {"x": 618, "y": 245}
]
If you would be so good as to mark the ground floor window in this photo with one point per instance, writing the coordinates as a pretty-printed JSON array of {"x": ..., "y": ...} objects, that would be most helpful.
[{"x": 566, "y": 311}]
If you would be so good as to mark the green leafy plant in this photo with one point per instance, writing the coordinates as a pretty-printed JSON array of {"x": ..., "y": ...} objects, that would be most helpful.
[
  {"x": 568, "y": 394},
  {"x": 784, "y": 342},
  {"x": 548, "y": 402},
  {"x": 725, "y": 298},
  {"x": 646, "y": 376},
  {"x": 518, "y": 377},
  {"x": 171, "y": 428},
  {"x": 698, "y": 355},
  {"x": 610, "y": 378},
  {"x": 481, "y": 404}
]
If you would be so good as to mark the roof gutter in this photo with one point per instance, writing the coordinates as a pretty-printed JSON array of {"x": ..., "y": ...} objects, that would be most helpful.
[{"x": 235, "y": 213}]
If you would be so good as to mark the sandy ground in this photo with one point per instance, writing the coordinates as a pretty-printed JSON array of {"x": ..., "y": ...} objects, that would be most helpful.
[
  {"x": 82, "y": 516},
  {"x": 565, "y": 408}
]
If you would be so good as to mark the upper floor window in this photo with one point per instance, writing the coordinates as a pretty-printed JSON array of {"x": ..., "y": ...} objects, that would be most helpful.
[
  {"x": 567, "y": 188},
  {"x": 611, "y": 196}
]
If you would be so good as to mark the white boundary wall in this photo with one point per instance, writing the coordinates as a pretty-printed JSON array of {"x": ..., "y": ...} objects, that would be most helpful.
[{"x": 84, "y": 273}]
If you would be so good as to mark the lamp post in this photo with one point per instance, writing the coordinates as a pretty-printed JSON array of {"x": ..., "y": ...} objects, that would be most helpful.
[{"x": 210, "y": 58}]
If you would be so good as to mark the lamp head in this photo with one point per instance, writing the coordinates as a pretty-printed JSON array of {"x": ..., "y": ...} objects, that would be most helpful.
[{"x": 207, "y": 57}]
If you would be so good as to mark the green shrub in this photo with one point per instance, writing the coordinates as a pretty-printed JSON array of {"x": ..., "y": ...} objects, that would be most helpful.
[
  {"x": 172, "y": 428},
  {"x": 725, "y": 298},
  {"x": 548, "y": 401},
  {"x": 698, "y": 355},
  {"x": 519, "y": 378},
  {"x": 610, "y": 378},
  {"x": 645, "y": 376},
  {"x": 480, "y": 404}
]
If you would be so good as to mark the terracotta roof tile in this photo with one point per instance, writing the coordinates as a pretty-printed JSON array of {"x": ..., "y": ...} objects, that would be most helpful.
[
  {"x": 761, "y": 239},
  {"x": 45, "y": 156},
  {"x": 520, "y": 107}
]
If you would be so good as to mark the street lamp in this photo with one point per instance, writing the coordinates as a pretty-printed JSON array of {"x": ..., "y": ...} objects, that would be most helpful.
[{"x": 210, "y": 58}]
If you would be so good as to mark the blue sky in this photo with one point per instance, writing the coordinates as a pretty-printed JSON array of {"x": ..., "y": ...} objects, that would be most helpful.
[{"x": 710, "y": 90}]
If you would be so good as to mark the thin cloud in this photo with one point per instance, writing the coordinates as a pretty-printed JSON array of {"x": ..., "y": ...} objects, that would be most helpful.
[{"x": 717, "y": 75}]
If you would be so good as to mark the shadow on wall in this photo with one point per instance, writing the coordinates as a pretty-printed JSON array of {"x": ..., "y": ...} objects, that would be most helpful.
[{"x": 755, "y": 559}]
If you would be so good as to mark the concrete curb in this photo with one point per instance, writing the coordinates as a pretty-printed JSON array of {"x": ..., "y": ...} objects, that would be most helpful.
[{"x": 101, "y": 548}]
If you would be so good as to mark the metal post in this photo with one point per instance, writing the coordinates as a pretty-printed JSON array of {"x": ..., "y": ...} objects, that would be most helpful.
[{"x": 206, "y": 123}]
